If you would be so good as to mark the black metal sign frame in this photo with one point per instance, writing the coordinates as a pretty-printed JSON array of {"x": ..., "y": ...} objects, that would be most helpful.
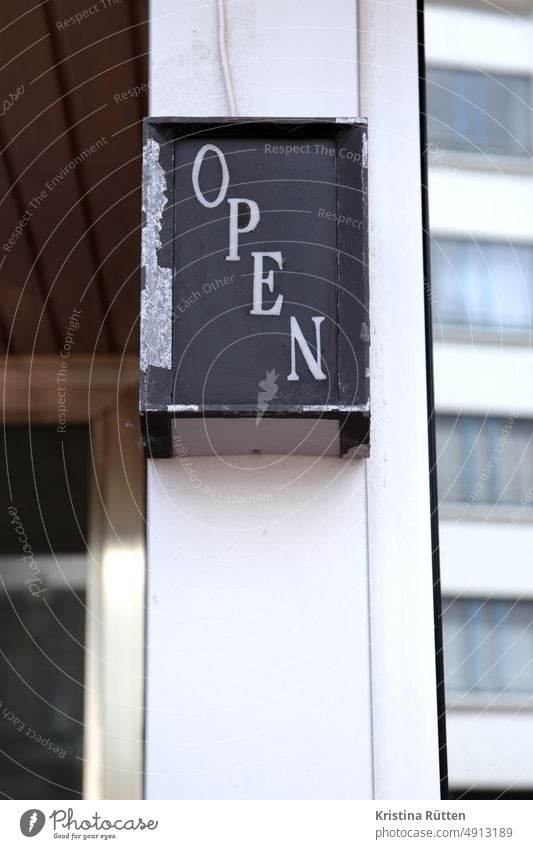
[{"x": 159, "y": 404}]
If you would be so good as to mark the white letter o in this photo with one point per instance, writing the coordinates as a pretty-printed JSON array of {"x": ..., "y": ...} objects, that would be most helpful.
[{"x": 198, "y": 160}]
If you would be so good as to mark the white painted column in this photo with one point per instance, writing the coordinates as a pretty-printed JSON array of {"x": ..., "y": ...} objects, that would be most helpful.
[
  {"x": 259, "y": 660},
  {"x": 401, "y": 612}
]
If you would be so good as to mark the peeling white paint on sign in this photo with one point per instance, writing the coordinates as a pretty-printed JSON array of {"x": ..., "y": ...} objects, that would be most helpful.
[{"x": 156, "y": 297}]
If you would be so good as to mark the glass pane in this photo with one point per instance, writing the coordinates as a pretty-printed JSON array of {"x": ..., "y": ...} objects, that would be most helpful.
[
  {"x": 41, "y": 691},
  {"x": 42, "y": 611},
  {"x": 46, "y": 479},
  {"x": 488, "y": 646},
  {"x": 456, "y": 647},
  {"x": 449, "y": 459},
  {"x": 482, "y": 284},
  {"x": 478, "y": 112},
  {"x": 485, "y": 460}
]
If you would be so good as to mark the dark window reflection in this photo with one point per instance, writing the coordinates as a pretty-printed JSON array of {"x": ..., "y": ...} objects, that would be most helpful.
[
  {"x": 41, "y": 688},
  {"x": 43, "y": 532}
]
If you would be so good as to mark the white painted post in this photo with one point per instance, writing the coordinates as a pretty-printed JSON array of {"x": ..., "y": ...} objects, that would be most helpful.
[
  {"x": 262, "y": 682},
  {"x": 401, "y": 612}
]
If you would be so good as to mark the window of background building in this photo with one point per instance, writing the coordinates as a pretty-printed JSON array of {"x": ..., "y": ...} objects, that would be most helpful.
[
  {"x": 479, "y": 112},
  {"x": 42, "y": 633},
  {"x": 482, "y": 284},
  {"x": 488, "y": 647},
  {"x": 486, "y": 460}
]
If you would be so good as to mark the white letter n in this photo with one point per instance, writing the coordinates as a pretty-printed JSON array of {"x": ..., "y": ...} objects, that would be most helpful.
[{"x": 297, "y": 336}]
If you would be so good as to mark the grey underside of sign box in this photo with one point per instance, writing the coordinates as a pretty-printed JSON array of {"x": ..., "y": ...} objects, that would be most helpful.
[{"x": 312, "y": 437}]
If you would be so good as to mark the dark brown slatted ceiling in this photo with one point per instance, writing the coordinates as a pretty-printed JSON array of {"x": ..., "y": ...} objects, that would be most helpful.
[{"x": 80, "y": 247}]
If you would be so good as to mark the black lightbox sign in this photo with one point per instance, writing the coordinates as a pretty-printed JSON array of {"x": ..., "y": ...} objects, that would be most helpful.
[{"x": 254, "y": 301}]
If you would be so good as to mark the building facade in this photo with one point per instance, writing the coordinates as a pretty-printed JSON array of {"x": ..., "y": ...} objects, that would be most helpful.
[
  {"x": 264, "y": 629},
  {"x": 480, "y": 69}
]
